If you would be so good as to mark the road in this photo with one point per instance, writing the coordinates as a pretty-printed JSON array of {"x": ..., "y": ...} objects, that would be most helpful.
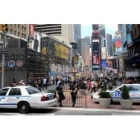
[{"x": 69, "y": 111}]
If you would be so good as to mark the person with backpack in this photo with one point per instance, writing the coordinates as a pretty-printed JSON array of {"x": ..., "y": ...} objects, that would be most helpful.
[{"x": 59, "y": 90}]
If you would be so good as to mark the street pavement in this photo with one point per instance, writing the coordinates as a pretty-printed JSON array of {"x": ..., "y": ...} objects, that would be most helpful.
[{"x": 55, "y": 111}]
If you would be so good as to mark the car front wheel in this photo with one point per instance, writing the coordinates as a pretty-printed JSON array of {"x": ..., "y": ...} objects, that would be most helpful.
[{"x": 23, "y": 107}]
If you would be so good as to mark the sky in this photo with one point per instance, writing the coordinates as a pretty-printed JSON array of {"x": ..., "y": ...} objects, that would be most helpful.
[{"x": 87, "y": 29}]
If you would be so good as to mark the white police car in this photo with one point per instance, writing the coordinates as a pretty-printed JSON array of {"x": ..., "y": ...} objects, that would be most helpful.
[
  {"x": 25, "y": 97},
  {"x": 134, "y": 92}
]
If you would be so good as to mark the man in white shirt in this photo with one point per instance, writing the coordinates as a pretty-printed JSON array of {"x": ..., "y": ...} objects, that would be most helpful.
[
  {"x": 44, "y": 83},
  {"x": 58, "y": 82}
]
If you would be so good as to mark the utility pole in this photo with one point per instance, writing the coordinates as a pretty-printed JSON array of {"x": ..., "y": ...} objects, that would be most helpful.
[
  {"x": 3, "y": 61},
  {"x": 4, "y": 29}
]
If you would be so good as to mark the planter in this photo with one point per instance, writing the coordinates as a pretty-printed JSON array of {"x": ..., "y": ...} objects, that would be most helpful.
[
  {"x": 83, "y": 91},
  {"x": 105, "y": 102},
  {"x": 126, "y": 104}
]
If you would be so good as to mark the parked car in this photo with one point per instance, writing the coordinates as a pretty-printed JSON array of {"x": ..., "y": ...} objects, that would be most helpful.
[
  {"x": 25, "y": 97},
  {"x": 134, "y": 92}
]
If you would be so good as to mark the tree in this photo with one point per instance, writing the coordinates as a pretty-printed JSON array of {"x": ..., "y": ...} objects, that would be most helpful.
[{"x": 125, "y": 92}]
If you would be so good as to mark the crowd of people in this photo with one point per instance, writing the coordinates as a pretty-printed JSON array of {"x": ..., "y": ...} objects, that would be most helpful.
[{"x": 91, "y": 84}]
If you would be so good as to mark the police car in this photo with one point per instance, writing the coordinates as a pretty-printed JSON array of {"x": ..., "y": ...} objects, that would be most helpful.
[
  {"x": 134, "y": 92},
  {"x": 25, "y": 97}
]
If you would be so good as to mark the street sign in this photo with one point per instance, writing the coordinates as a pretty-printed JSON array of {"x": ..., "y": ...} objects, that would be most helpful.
[{"x": 11, "y": 64}]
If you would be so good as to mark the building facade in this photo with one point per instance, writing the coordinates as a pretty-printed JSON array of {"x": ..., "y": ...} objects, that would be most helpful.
[
  {"x": 20, "y": 30},
  {"x": 77, "y": 37},
  {"x": 109, "y": 45},
  {"x": 62, "y": 32},
  {"x": 85, "y": 50}
]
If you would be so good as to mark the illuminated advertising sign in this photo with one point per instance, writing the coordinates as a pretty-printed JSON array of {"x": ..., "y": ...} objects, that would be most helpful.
[
  {"x": 61, "y": 51},
  {"x": 103, "y": 52},
  {"x": 36, "y": 42},
  {"x": 104, "y": 64},
  {"x": 31, "y": 30},
  {"x": 95, "y": 56},
  {"x": 118, "y": 45},
  {"x": 110, "y": 63}
]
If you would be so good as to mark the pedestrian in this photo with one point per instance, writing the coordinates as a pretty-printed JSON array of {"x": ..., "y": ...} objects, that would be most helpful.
[
  {"x": 74, "y": 90},
  {"x": 44, "y": 83},
  {"x": 39, "y": 84},
  {"x": 59, "y": 90},
  {"x": 53, "y": 81},
  {"x": 56, "y": 80},
  {"x": 14, "y": 82}
]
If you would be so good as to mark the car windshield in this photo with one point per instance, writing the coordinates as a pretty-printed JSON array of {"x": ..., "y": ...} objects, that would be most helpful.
[{"x": 32, "y": 90}]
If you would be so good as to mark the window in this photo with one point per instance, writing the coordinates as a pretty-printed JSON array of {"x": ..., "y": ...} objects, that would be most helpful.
[
  {"x": 135, "y": 87},
  {"x": 14, "y": 32},
  {"x": 18, "y": 26},
  {"x": 24, "y": 36},
  {"x": 11, "y": 30},
  {"x": 3, "y": 91},
  {"x": 32, "y": 90},
  {"x": 18, "y": 33},
  {"x": 15, "y": 25},
  {"x": 24, "y": 28},
  {"x": 14, "y": 91}
]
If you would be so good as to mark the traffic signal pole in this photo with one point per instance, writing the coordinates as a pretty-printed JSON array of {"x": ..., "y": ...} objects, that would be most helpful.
[{"x": 3, "y": 61}]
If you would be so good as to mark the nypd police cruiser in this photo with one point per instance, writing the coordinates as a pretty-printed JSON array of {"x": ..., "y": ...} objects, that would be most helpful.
[
  {"x": 25, "y": 97},
  {"x": 134, "y": 92}
]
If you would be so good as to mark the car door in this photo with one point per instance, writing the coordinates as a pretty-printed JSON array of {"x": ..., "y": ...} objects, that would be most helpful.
[
  {"x": 3, "y": 93},
  {"x": 135, "y": 91},
  {"x": 116, "y": 94},
  {"x": 12, "y": 98}
]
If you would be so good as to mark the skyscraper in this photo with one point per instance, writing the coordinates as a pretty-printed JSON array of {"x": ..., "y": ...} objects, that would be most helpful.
[
  {"x": 62, "y": 32},
  {"x": 84, "y": 51},
  {"x": 109, "y": 45},
  {"x": 77, "y": 36}
]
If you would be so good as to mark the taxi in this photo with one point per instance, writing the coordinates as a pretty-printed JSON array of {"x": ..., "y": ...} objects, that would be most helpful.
[
  {"x": 24, "y": 98},
  {"x": 134, "y": 92}
]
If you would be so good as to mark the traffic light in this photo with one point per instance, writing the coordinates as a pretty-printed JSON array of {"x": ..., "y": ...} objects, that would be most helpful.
[{"x": 4, "y": 27}]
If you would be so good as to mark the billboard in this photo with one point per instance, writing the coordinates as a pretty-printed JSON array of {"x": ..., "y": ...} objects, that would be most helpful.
[
  {"x": 95, "y": 56},
  {"x": 31, "y": 30},
  {"x": 110, "y": 63},
  {"x": 118, "y": 45},
  {"x": 103, "y": 52},
  {"x": 61, "y": 51},
  {"x": 104, "y": 64},
  {"x": 36, "y": 44}
]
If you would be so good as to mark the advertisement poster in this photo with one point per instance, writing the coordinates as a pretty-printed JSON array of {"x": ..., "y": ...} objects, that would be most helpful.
[
  {"x": 31, "y": 29},
  {"x": 118, "y": 45},
  {"x": 95, "y": 56},
  {"x": 36, "y": 42},
  {"x": 103, "y": 52},
  {"x": 110, "y": 63}
]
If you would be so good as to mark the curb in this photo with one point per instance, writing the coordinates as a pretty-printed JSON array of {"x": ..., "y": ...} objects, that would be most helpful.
[{"x": 94, "y": 110}]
